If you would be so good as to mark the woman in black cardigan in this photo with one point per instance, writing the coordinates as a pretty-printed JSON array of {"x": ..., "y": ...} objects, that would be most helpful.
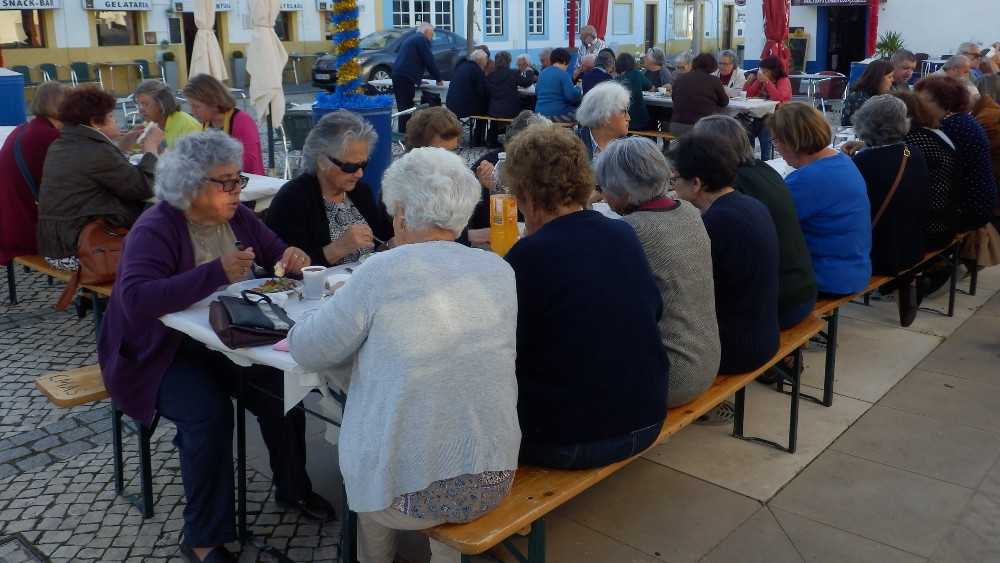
[
  {"x": 505, "y": 101},
  {"x": 327, "y": 211}
]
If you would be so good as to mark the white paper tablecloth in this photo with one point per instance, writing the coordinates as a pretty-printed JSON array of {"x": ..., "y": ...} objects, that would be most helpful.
[
  {"x": 757, "y": 107},
  {"x": 261, "y": 189}
]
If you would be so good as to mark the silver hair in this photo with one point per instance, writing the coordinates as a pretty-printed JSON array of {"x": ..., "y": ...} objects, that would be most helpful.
[
  {"x": 605, "y": 60},
  {"x": 545, "y": 52},
  {"x": 434, "y": 186},
  {"x": 332, "y": 134},
  {"x": 478, "y": 55},
  {"x": 727, "y": 53},
  {"x": 965, "y": 46},
  {"x": 633, "y": 168},
  {"x": 525, "y": 57},
  {"x": 903, "y": 55},
  {"x": 424, "y": 26},
  {"x": 588, "y": 60},
  {"x": 881, "y": 120},
  {"x": 602, "y": 102},
  {"x": 684, "y": 57},
  {"x": 655, "y": 54},
  {"x": 989, "y": 85},
  {"x": 956, "y": 62},
  {"x": 525, "y": 119},
  {"x": 732, "y": 130},
  {"x": 181, "y": 170},
  {"x": 589, "y": 30}
]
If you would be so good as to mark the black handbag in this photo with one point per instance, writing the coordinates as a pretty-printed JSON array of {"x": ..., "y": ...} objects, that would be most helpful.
[{"x": 249, "y": 320}]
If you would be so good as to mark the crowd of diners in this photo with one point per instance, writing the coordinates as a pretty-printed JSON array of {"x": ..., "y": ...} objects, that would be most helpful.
[{"x": 564, "y": 353}]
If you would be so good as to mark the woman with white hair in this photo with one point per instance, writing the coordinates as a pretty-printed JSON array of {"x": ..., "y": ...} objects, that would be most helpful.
[
  {"x": 634, "y": 177},
  {"x": 899, "y": 189},
  {"x": 731, "y": 75},
  {"x": 328, "y": 211},
  {"x": 425, "y": 439},
  {"x": 180, "y": 251},
  {"x": 603, "y": 116}
]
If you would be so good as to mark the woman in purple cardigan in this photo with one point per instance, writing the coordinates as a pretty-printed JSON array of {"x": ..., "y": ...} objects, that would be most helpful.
[{"x": 179, "y": 252}]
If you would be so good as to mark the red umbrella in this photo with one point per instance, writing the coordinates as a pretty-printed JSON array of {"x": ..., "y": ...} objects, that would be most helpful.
[{"x": 776, "y": 29}]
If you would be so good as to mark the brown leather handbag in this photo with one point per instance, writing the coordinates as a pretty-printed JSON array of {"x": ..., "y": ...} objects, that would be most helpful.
[{"x": 98, "y": 250}]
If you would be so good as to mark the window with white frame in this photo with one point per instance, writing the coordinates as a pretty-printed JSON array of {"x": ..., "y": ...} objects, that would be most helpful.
[
  {"x": 536, "y": 17},
  {"x": 408, "y": 13},
  {"x": 579, "y": 14},
  {"x": 494, "y": 17},
  {"x": 683, "y": 21}
]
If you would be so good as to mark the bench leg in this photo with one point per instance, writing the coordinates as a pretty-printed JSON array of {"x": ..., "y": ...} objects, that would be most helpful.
[
  {"x": 143, "y": 434},
  {"x": 793, "y": 418},
  {"x": 11, "y": 286},
  {"x": 116, "y": 445},
  {"x": 832, "y": 322},
  {"x": 973, "y": 266},
  {"x": 536, "y": 546}
]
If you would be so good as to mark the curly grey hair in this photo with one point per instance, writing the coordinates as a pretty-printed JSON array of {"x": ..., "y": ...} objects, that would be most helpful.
[
  {"x": 602, "y": 102},
  {"x": 656, "y": 56},
  {"x": 332, "y": 134},
  {"x": 633, "y": 169},
  {"x": 435, "y": 188},
  {"x": 732, "y": 130},
  {"x": 685, "y": 57},
  {"x": 181, "y": 170},
  {"x": 881, "y": 120}
]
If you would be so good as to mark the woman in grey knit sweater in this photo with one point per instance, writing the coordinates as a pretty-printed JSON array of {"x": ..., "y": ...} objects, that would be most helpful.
[{"x": 634, "y": 176}]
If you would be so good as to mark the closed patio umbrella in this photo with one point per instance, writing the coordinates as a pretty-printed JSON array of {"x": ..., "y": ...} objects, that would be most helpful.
[
  {"x": 266, "y": 56},
  {"x": 776, "y": 15},
  {"x": 206, "y": 55}
]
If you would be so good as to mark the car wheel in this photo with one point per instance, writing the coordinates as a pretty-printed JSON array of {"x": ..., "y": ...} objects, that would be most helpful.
[{"x": 380, "y": 73}]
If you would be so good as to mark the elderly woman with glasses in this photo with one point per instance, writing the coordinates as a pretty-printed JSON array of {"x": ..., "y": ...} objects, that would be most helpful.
[
  {"x": 430, "y": 432},
  {"x": 729, "y": 74},
  {"x": 635, "y": 177},
  {"x": 197, "y": 239},
  {"x": 158, "y": 104},
  {"x": 328, "y": 211},
  {"x": 591, "y": 368},
  {"x": 604, "y": 116}
]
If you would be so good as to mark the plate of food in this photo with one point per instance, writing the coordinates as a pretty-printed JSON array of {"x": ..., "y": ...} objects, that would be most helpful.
[{"x": 266, "y": 286}]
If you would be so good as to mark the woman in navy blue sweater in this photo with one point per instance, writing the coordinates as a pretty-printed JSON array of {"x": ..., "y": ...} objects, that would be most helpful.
[
  {"x": 591, "y": 368},
  {"x": 744, "y": 250}
]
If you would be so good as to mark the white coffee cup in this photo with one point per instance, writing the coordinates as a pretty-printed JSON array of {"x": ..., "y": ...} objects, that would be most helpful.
[
  {"x": 662, "y": 90},
  {"x": 313, "y": 279},
  {"x": 743, "y": 95}
]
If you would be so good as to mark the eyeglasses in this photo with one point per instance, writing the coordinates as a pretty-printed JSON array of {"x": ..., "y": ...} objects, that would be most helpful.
[
  {"x": 623, "y": 111},
  {"x": 142, "y": 105},
  {"x": 229, "y": 185},
  {"x": 973, "y": 55},
  {"x": 347, "y": 167},
  {"x": 725, "y": 64}
]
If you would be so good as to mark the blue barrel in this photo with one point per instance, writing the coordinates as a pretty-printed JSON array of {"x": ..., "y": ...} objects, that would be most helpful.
[
  {"x": 11, "y": 98},
  {"x": 857, "y": 69},
  {"x": 381, "y": 156}
]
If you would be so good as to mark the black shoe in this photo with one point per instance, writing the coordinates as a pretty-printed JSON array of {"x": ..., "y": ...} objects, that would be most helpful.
[
  {"x": 218, "y": 555},
  {"x": 907, "y": 303},
  {"x": 314, "y": 508}
]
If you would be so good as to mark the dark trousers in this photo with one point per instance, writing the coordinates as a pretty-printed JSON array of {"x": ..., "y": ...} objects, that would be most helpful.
[
  {"x": 195, "y": 396},
  {"x": 493, "y": 137},
  {"x": 590, "y": 454},
  {"x": 759, "y": 130},
  {"x": 405, "y": 90}
]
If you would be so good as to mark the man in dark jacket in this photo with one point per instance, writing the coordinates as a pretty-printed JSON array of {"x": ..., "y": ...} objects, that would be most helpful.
[
  {"x": 600, "y": 71},
  {"x": 467, "y": 93},
  {"x": 414, "y": 59}
]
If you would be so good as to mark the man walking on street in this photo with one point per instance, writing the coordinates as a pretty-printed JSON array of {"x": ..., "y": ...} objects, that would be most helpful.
[{"x": 414, "y": 59}]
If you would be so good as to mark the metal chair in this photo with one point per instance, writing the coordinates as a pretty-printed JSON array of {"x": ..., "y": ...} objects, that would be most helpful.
[
  {"x": 80, "y": 72},
  {"x": 51, "y": 72},
  {"x": 25, "y": 71},
  {"x": 291, "y": 67},
  {"x": 144, "y": 70},
  {"x": 833, "y": 88}
]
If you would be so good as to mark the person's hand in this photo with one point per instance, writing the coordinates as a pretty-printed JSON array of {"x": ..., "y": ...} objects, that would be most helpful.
[
  {"x": 850, "y": 148},
  {"x": 440, "y": 82},
  {"x": 356, "y": 236},
  {"x": 236, "y": 264},
  {"x": 128, "y": 138},
  {"x": 670, "y": 88},
  {"x": 751, "y": 77},
  {"x": 485, "y": 174},
  {"x": 764, "y": 78},
  {"x": 479, "y": 236},
  {"x": 154, "y": 136},
  {"x": 293, "y": 260}
]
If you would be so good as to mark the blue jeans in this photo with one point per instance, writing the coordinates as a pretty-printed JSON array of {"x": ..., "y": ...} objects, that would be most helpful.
[
  {"x": 758, "y": 130},
  {"x": 590, "y": 454}
]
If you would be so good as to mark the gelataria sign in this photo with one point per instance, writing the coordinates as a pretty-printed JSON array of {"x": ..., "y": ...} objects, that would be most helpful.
[
  {"x": 30, "y": 4},
  {"x": 830, "y": 2},
  {"x": 118, "y": 5}
]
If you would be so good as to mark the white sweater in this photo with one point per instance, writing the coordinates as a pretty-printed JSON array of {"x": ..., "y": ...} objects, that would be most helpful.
[{"x": 431, "y": 330}]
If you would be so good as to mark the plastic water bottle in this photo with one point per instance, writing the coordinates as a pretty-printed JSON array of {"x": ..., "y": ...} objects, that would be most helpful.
[{"x": 503, "y": 213}]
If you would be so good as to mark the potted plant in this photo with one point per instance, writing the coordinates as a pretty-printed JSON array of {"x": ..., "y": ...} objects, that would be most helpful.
[
  {"x": 888, "y": 43},
  {"x": 239, "y": 66},
  {"x": 169, "y": 65}
]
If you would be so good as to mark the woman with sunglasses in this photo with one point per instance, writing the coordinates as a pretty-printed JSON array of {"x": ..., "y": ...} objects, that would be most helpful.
[
  {"x": 180, "y": 251},
  {"x": 328, "y": 211}
]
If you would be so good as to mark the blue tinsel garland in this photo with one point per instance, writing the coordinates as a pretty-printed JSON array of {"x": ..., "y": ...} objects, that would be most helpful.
[
  {"x": 351, "y": 101},
  {"x": 342, "y": 36}
]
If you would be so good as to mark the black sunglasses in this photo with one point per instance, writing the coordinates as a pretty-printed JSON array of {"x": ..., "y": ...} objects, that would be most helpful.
[
  {"x": 348, "y": 167},
  {"x": 230, "y": 185}
]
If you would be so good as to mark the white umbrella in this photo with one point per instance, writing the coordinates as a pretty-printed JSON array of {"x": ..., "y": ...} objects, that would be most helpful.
[
  {"x": 206, "y": 56},
  {"x": 266, "y": 57}
]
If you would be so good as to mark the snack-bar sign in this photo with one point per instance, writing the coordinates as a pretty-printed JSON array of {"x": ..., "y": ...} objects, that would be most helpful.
[
  {"x": 30, "y": 4},
  {"x": 115, "y": 5},
  {"x": 220, "y": 6},
  {"x": 829, "y": 2}
]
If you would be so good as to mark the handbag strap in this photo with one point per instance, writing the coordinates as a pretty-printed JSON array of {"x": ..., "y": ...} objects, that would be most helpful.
[
  {"x": 892, "y": 190},
  {"x": 23, "y": 166}
]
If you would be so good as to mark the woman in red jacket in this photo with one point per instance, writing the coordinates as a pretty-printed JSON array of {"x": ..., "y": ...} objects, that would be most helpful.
[{"x": 771, "y": 83}]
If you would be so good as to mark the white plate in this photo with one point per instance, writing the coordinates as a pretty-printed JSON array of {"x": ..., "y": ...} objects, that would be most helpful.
[{"x": 237, "y": 287}]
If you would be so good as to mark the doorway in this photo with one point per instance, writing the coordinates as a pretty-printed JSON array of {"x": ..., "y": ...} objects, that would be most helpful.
[
  {"x": 728, "y": 17},
  {"x": 847, "y": 29},
  {"x": 649, "y": 32}
]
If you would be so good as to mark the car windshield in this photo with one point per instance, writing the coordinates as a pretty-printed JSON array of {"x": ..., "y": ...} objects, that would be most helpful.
[{"x": 379, "y": 39}]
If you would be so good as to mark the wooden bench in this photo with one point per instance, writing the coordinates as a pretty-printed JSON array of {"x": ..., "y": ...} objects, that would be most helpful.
[
  {"x": 81, "y": 386},
  {"x": 537, "y": 491},
  {"x": 470, "y": 121},
  {"x": 654, "y": 134},
  {"x": 39, "y": 264}
]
